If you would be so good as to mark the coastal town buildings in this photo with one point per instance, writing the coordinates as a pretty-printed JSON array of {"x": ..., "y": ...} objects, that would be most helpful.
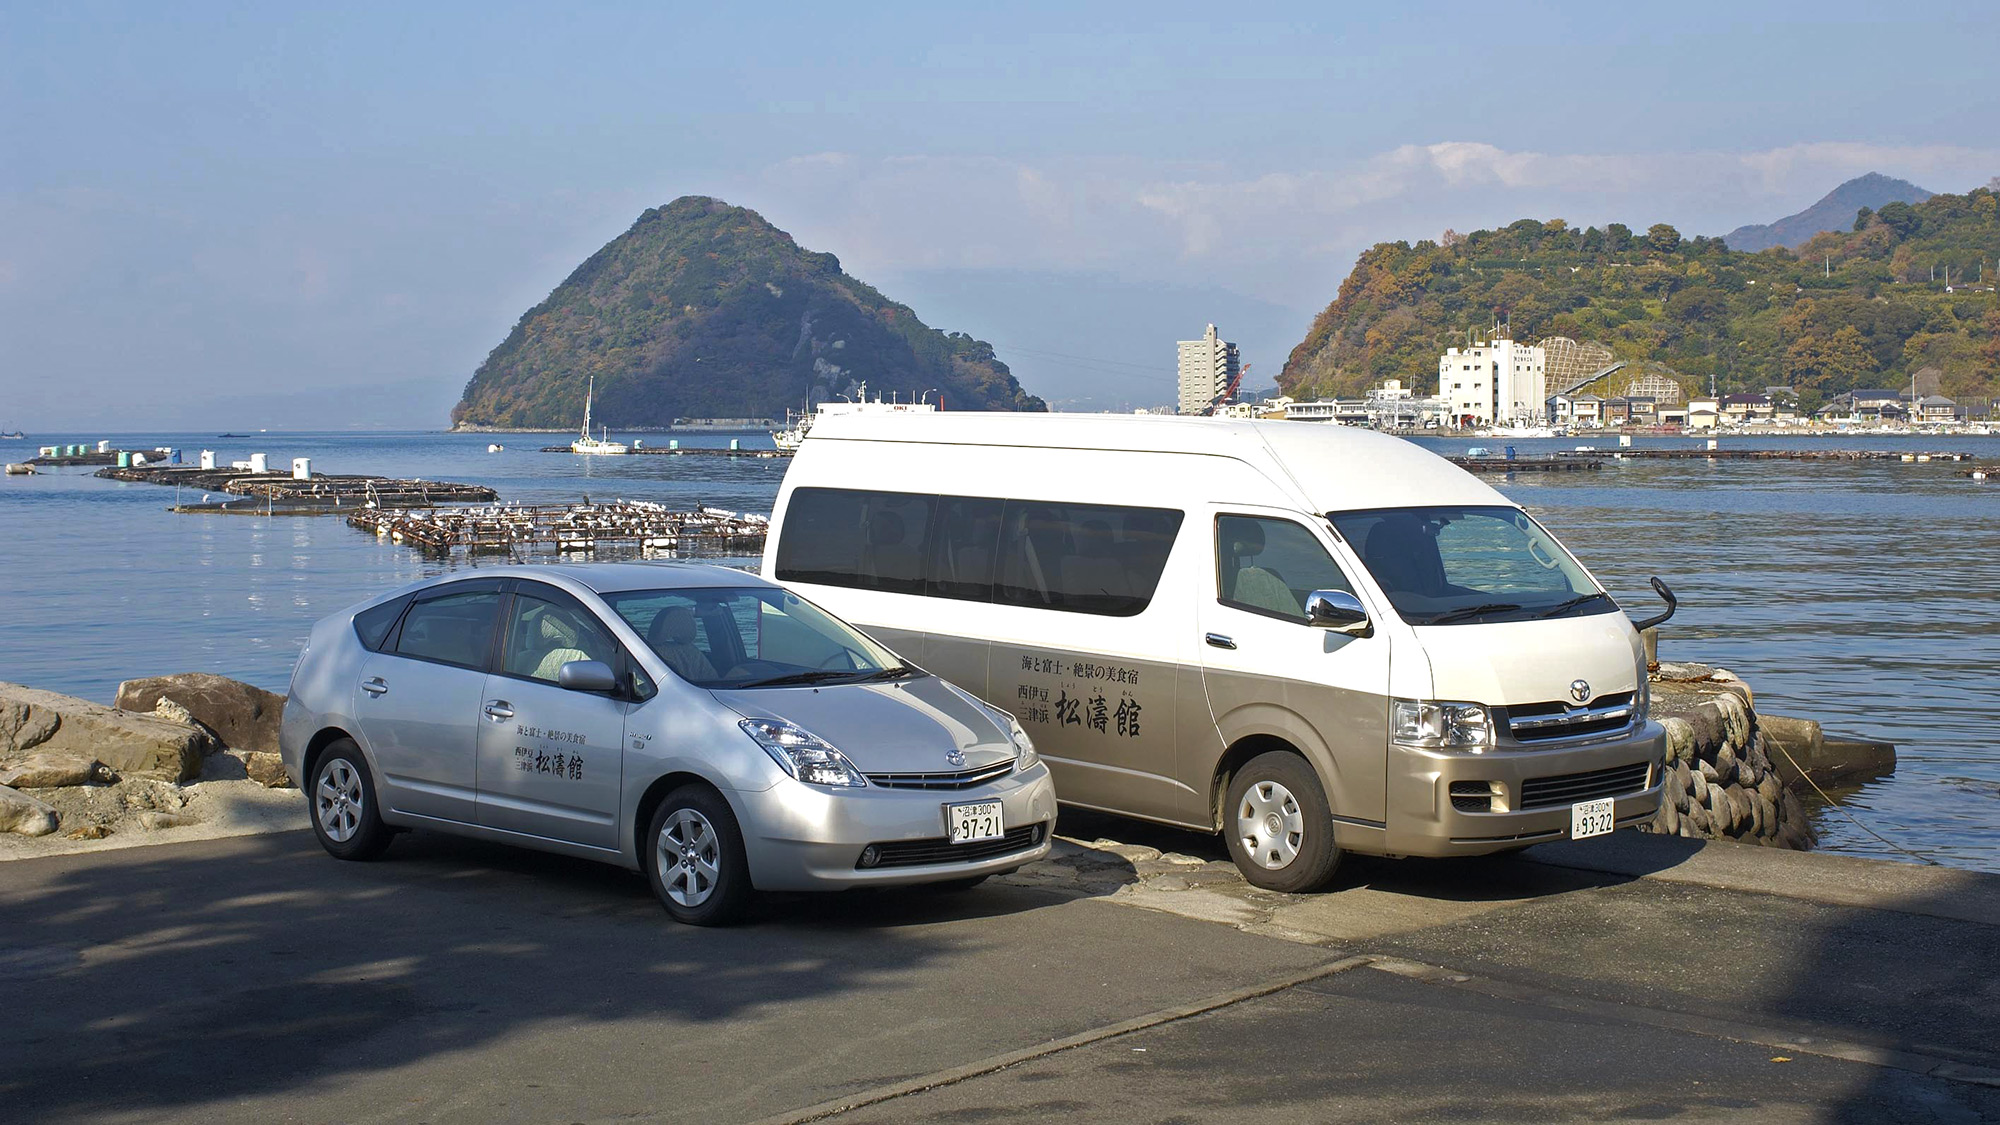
[
  {"x": 1494, "y": 381},
  {"x": 1209, "y": 370}
]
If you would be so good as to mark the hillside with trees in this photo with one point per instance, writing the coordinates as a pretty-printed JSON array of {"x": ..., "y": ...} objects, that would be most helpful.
[
  {"x": 1910, "y": 287},
  {"x": 702, "y": 309}
]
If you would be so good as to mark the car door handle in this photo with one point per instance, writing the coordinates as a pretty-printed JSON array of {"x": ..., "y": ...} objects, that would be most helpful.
[
  {"x": 1219, "y": 641},
  {"x": 374, "y": 686},
  {"x": 499, "y": 709}
]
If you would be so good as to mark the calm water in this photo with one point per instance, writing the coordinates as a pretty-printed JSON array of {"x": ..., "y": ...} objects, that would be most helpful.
[{"x": 1859, "y": 594}]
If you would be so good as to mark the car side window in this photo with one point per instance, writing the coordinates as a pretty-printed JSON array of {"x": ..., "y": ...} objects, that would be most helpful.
[
  {"x": 453, "y": 628},
  {"x": 544, "y": 634},
  {"x": 1270, "y": 566}
]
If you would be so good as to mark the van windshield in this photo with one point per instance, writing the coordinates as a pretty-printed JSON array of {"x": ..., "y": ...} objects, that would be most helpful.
[
  {"x": 752, "y": 637},
  {"x": 1452, "y": 566}
]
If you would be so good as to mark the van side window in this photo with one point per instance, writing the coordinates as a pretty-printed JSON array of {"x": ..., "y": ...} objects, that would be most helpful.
[
  {"x": 1084, "y": 558},
  {"x": 963, "y": 542},
  {"x": 848, "y": 537},
  {"x": 1269, "y": 566}
]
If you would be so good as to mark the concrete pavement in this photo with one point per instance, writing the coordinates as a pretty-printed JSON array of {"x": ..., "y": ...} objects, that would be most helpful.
[{"x": 1136, "y": 979}]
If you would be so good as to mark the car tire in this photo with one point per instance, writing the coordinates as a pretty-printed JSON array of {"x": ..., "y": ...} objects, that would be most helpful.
[
  {"x": 341, "y": 799},
  {"x": 694, "y": 859},
  {"x": 1278, "y": 824}
]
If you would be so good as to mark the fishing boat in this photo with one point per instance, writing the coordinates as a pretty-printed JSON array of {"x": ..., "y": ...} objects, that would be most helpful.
[
  {"x": 584, "y": 443},
  {"x": 14, "y": 436},
  {"x": 798, "y": 425}
]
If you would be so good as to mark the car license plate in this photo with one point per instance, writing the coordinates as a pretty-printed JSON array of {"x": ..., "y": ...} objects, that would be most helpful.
[
  {"x": 972, "y": 823},
  {"x": 1590, "y": 818}
]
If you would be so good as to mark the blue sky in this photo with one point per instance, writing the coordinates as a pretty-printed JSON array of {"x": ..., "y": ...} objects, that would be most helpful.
[{"x": 260, "y": 215}]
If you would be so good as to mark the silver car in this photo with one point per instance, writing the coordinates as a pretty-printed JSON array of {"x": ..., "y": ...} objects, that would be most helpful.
[{"x": 702, "y": 725}]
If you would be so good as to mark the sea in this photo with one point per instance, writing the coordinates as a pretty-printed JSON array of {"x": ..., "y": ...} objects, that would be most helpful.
[{"x": 1863, "y": 594}]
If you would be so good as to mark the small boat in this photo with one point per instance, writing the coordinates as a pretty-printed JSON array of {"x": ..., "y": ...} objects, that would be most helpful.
[
  {"x": 798, "y": 425},
  {"x": 13, "y": 436},
  {"x": 584, "y": 443}
]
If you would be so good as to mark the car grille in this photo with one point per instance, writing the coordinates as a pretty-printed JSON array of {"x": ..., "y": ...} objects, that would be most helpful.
[
  {"x": 1542, "y": 722},
  {"x": 923, "y": 853},
  {"x": 1542, "y": 792},
  {"x": 963, "y": 779}
]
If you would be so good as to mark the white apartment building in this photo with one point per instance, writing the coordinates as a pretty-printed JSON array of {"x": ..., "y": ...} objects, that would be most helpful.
[
  {"x": 1208, "y": 366},
  {"x": 1494, "y": 382}
]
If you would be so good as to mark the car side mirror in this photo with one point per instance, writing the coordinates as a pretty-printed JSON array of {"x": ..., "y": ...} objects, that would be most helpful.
[
  {"x": 1339, "y": 611},
  {"x": 586, "y": 675}
]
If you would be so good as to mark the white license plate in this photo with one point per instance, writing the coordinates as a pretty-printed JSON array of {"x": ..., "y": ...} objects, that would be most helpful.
[
  {"x": 972, "y": 823},
  {"x": 1590, "y": 818}
]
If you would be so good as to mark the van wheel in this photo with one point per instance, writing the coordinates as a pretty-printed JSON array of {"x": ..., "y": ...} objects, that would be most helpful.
[
  {"x": 1278, "y": 824},
  {"x": 345, "y": 816},
  {"x": 694, "y": 858}
]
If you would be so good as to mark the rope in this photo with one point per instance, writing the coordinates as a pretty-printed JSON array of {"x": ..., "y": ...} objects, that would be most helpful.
[{"x": 1844, "y": 811}]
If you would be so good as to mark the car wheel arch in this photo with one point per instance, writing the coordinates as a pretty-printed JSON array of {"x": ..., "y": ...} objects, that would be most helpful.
[
  {"x": 317, "y": 746},
  {"x": 655, "y": 792}
]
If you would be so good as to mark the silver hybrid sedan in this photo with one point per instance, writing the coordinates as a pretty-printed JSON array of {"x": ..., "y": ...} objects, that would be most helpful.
[{"x": 699, "y": 724}]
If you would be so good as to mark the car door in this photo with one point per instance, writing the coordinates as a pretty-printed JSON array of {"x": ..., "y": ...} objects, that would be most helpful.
[
  {"x": 1267, "y": 672},
  {"x": 417, "y": 704},
  {"x": 550, "y": 759}
]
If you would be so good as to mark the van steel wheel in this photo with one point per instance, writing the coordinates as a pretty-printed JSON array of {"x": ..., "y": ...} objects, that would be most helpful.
[
  {"x": 342, "y": 797},
  {"x": 1278, "y": 825},
  {"x": 694, "y": 858}
]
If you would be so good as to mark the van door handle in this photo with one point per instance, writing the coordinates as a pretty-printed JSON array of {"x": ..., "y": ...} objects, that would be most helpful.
[
  {"x": 499, "y": 709},
  {"x": 374, "y": 686},
  {"x": 1219, "y": 641}
]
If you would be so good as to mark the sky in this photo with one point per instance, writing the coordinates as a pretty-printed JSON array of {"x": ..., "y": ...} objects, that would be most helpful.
[{"x": 238, "y": 215}]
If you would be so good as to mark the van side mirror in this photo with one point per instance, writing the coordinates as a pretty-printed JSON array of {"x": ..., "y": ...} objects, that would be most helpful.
[
  {"x": 586, "y": 675},
  {"x": 1339, "y": 611}
]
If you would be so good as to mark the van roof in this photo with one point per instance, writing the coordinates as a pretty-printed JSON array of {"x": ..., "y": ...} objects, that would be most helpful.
[{"x": 1331, "y": 467}]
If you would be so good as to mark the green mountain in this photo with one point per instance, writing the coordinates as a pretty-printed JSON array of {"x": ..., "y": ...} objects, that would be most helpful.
[
  {"x": 1833, "y": 212},
  {"x": 703, "y": 310},
  {"x": 1854, "y": 308}
]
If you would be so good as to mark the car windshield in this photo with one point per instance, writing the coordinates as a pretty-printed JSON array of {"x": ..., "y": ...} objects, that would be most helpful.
[
  {"x": 1452, "y": 566},
  {"x": 752, "y": 637}
]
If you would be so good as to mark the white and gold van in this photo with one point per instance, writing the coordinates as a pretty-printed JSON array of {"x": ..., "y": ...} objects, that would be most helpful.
[{"x": 1309, "y": 638}]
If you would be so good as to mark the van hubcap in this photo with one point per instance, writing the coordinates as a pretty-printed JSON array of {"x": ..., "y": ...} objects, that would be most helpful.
[
  {"x": 1269, "y": 825},
  {"x": 689, "y": 857},
  {"x": 338, "y": 800}
]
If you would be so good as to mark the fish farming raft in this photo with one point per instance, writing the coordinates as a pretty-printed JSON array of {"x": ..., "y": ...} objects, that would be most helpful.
[
  {"x": 636, "y": 527},
  {"x": 320, "y": 493}
]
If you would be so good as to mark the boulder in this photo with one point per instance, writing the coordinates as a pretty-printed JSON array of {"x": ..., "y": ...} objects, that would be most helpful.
[
  {"x": 134, "y": 745},
  {"x": 242, "y": 716},
  {"x": 50, "y": 769},
  {"x": 153, "y": 818},
  {"x": 267, "y": 770},
  {"x": 25, "y": 815}
]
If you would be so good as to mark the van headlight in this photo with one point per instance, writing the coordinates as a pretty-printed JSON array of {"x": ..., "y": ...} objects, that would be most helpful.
[
  {"x": 1642, "y": 700},
  {"x": 1434, "y": 725},
  {"x": 803, "y": 754}
]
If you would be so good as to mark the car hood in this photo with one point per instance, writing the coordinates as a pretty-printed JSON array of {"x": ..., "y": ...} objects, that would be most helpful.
[
  {"x": 1520, "y": 662},
  {"x": 902, "y": 726}
]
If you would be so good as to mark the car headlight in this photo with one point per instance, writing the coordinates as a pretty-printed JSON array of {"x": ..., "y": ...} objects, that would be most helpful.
[
  {"x": 803, "y": 754},
  {"x": 1024, "y": 747},
  {"x": 1441, "y": 726}
]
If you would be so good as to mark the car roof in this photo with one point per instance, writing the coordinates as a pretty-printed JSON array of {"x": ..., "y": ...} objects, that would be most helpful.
[{"x": 613, "y": 577}]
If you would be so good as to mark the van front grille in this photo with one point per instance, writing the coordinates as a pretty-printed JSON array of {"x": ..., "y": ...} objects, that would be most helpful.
[
  {"x": 1569, "y": 788},
  {"x": 1543, "y": 722},
  {"x": 924, "y": 853},
  {"x": 963, "y": 779}
]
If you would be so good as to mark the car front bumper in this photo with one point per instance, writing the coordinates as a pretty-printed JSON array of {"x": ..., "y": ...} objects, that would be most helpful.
[
  {"x": 1424, "y": 821},
  {"x": 804, "y": 838}
]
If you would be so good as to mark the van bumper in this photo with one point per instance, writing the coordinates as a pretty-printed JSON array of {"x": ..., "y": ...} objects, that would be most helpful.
[
  {"x": 1424, "y": 820},
  {"x": 801, "y": 838}
]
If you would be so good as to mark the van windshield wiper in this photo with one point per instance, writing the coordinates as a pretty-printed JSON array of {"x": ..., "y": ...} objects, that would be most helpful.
[
  {"x": 1561, "y": 608},
  {"x": 1465, "y": 611},
  {"x": 813, "y": 677}
]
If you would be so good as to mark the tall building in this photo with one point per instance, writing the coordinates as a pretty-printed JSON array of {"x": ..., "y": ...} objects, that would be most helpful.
[
  {"x": 1494, "y": 382},
  {"x": 1209, "y": 368}
]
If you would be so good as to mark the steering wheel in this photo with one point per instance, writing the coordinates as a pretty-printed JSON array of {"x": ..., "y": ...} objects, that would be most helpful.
[{"x": 843, "y": 656}]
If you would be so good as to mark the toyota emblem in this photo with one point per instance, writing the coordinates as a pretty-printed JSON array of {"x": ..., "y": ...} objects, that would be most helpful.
[
  {"x": 1579, "y": 690},
  {"x": 955, "y": 758}
]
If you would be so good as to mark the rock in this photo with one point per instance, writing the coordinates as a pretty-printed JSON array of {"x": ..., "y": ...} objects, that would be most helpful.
[
  {"x": 1669, "y": 821},
  {"x": 1721, "y": 810},
  {"x": 268, "y": 770},
  {"x": 242, "y": 716},
  {"x": 1767, "y": 816},
  {"x": 1741, "y": 809},
  {"x": 1698, "y": 789},
  {"x": 1709, "y": 773},
  {"x": 1725, "y": 765},
  {"x": 132, "y": 744},
  {"x": 25, "y": 815},
  {"x": 50, "y": 770},
  {"x": 1681, "y": 784},
  {"x": 1680, "y": 739},
  {"x": 1769, "y": 788},
  {"x": 88, "y": 832},
  {"x": 153, "y": 818}
]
